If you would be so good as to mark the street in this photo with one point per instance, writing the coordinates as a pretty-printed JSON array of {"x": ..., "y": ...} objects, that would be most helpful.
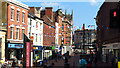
[{"x": 74, "y": 63}]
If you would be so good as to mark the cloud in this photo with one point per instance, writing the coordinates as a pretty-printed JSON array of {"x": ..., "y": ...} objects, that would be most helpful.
[
  {"x": 93, "y": 2},
  {"x": 50, "y": 4}
]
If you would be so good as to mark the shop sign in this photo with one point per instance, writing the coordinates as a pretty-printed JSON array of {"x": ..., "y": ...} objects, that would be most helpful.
[
  {"x": 37, "y": 47},
  {"x": 28, "y": 48},
  {"x": 14, "y": 45},
  {"x": 53, "y": 47},
  {"x": 48, "y": 48}
]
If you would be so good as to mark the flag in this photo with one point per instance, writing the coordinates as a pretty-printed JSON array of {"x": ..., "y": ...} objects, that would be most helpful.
[
  {"x": 83, "y": 27},
  {"x": 90, "y": 26},
  {"x": 74, "y": 26}
]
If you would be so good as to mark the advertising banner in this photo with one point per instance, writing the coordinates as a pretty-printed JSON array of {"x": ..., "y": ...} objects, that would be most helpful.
[{"x": 28, "y": 50}]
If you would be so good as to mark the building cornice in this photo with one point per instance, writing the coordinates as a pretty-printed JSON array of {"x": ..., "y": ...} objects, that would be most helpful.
[{"x": 17, "y": 3}]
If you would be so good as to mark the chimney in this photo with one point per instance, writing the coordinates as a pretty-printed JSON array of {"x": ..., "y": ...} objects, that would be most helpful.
[
  {"x": 35, "y": 11},
  {"x": 49, "y": 12}
]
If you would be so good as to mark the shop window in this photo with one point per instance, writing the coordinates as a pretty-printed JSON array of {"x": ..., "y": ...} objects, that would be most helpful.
[
  {"x": 15, "y": 52},
  {"x": 37, "y": 55}
]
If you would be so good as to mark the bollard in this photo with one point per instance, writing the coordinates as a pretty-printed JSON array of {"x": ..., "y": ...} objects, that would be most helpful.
[{"x": 118, "y": 64}]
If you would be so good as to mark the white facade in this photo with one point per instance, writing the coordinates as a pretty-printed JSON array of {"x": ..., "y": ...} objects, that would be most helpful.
[
  {"x": 35, "y": 33},
  {"x": 2, "y": 45},
  {"x": 35, "y": 29},
  {"x": 56, "y": 33}
]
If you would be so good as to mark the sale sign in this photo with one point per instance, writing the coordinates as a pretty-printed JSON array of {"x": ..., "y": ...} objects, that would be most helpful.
[{"x": 28, "y": 50}]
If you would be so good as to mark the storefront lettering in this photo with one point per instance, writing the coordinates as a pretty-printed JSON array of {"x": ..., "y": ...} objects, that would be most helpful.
[{"x": 15, "y": 45}]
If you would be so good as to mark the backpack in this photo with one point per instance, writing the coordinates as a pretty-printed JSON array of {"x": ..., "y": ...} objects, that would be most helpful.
[{"x": 82, "y": 62}]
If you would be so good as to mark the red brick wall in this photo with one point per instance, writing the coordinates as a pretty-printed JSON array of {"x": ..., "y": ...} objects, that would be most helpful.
[
  {"x": 49, "y": 12},
  {"x": 105, "y": 35},
  {"x": 48, "y": 35},
  {"x": 15, "y": 22}
]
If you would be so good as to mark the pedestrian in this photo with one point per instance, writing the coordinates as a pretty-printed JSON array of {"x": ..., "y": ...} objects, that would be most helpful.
[
  {"x": 46, "y": 65},
  {"x": 113, "y": 62},
  {"x": 89, "y": 64},
  {"x": 52, "y": 65},
  {"x": 95, "y": 60},
  {"x": 82, "y": 62}
]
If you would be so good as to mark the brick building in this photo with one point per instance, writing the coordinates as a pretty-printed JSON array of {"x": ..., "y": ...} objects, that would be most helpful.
[
  {"x": 59, "y": 16},
  {"x": 48, "y": 31},
  {"x": 17, "y": 24},
  {"x": 108, "y": 39}
]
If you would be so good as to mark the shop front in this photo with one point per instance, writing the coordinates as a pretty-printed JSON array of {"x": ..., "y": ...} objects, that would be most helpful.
[
  {"x": 49, "y": 51},
  {"x": 110, "y": 50},
  {"x": 37, "y": 54},
  {"x": 14, "y": 50}
]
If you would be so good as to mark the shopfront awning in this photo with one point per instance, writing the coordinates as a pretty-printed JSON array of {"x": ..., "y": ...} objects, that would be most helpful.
[{"x": 112, "y": 46}]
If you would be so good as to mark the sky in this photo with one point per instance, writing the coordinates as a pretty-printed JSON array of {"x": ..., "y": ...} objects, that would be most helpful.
[{"x": 84, "y": 12}]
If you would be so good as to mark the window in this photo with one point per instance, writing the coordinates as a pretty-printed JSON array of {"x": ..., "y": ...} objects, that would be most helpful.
[
  {"x": 40, "y": 26},
  {"x": 36, "y": 38},
  {"x": 12, "y": 13},
  {"x": 18, "y": 16},
  {"x": 23, "y": 31},
  {"x": 36, "y": 24},
  {"x": 40, "y": 39},
  {"x": 11, "y": 33},
  {"x": 62, "y": 27},
  {"x": 23, "y": 17},
  {"x": 17, "y": 33}
]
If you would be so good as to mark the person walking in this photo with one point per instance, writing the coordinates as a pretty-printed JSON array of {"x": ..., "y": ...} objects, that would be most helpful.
[{"x": 82, "y": 63}]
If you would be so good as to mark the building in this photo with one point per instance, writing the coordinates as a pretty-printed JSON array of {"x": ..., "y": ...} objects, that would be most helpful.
[
  {"x": 108, "y": 39},
  {"x": 89, "y": 39},
  {"x": 48, "y": 31},
  {"x": 67, "y": 33},
  {"x": 35, "y": 33},
  {"x": 64, "y": 23},
  {"x": 2, "y": 45},
  {"x": 17, "y": 24},
  {"x": 3, "y": 23},
  {"x": 59, "y": 16},
  {"x": 36, "y": 11}
]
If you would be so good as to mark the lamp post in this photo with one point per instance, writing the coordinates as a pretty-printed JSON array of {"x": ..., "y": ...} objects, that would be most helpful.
[{"x": 82, "y": 47}]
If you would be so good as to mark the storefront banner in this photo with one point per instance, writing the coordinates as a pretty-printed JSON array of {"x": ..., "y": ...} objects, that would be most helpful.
[
  {"x": 28, "y": 51},
  {"x": 37, "y": 47},
  {"x": 14, "y": 45},
  {"x": 53, "y": 47}
]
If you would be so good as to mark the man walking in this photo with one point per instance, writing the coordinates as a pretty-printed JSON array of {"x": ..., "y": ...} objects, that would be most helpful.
[{"x": 82, "y": 63}]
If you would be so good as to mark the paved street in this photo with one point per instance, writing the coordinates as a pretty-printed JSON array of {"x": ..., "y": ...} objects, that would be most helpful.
[{"x": 74, "y": 63}]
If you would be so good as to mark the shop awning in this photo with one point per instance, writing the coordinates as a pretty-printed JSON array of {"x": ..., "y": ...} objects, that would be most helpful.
[{"x": 112, "y": 46}]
